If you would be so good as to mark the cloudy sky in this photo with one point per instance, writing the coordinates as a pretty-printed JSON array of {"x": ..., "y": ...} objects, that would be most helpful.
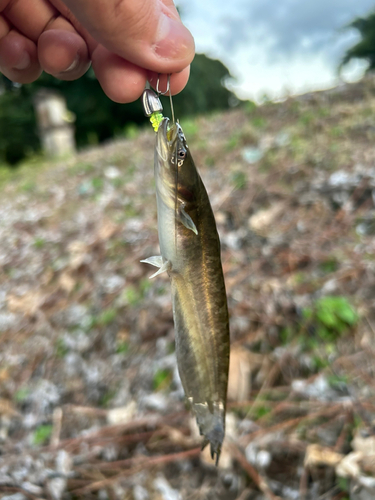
[{"x": 277, "y": 47}]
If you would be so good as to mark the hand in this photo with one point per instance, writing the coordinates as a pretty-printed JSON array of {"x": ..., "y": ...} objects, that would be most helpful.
[{"x": 127, "y": 41}]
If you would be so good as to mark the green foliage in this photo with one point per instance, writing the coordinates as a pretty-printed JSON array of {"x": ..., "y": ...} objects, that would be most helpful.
[
  {"x": 320, "y": 362},
  {"x": 331, "y": 317},
  {"x": 106, "y": 399},
  {"x": 42, "y": 434},
  {"x": 122, "y": 348},
  {"x": 329, "y": 266},
  {"x": 365, "y": 48},
  {"x": 261, "y": 411},
  {"x": 60, "y": 349},
  {"x": 132, "y": 296},
  {"x": 190, "y": 128},
  {"x": 338, "y": 381},
  {"x": 233, "y": 141},
  {"x": 131, "y": 131},
  {"x": 97, "y": 183},
  {"x": 306, "y": 118},
  {"x": 106, "y": 317},
  {"x": 250, "y": 107},
  {"x": 259, "y": 122},
  {"x": 18, "y": 137},
  {"x": 239, "y": 179},
  {"x": 21, "y": 394},
  {"x": 39, "y": 242},
  {"x": 162, "y": 379}
]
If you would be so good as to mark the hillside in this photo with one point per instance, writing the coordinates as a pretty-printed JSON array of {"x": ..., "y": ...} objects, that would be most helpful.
[{"x": 90, "y": 401}]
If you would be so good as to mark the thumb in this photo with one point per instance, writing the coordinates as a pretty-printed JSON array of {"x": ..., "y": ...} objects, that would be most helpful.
[{"x": 148, "y": 33}]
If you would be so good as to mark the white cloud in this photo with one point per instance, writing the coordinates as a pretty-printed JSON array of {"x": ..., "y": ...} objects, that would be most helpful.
[{"x": 276, "y": 46}]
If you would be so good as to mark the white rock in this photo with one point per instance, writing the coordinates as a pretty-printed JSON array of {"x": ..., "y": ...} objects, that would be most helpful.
[
  {"x": 15, "y": 496},
  {"x": 32, "y": 488},
  {"x": 112, "y": 172},
  {"x": 156, "y": 401},
  {"x": 122, "y": 415},
  {"x": 165, "y": 489},
  {"x": 56, "y": 487},
  {"x": 140, "y": 493}
]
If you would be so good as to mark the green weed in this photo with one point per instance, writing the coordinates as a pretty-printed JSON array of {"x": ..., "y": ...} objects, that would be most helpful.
[
  {"x": 338, "y": 381},
  {"x": 42, "y": 434},
  {"x": 190, "y": 128},
  {"x": 122, "y": 348},
  {"x": 132, "y": 296},
  {"x": 239, "y": 180},
  {"x": 209, "y": 161},
  {"x": 250, "y": 107},
  {"x": 21, "y": 395},
  {"x": 261, "y": 411},
  {"x": 131, "y": 131},
  {"x": 106, "y": 399},
  {"x": 329, "y": 266},
  {"x": 106, "y": 317},
  {"x": 330, "y": 317},
  {"x": 259, "y": 122},
  {"x": 39, "y": 242},
  {"x": 28, "y": 186},
  {"x": 162, "y": 379},
  {"x": 324, "y": 112},
  {"x": 306, "y": 118},
  {"x": 337, "y": 131},
  {"x": 97, "y": 183},
  {"x": 60, "y": 350},
  {"x": 233, "y": 142}
]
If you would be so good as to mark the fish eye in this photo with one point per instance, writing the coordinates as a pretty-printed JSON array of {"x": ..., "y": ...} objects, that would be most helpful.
[{"x": 182, "y": 154}]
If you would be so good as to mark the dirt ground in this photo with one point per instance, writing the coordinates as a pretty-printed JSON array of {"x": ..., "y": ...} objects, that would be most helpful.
[{"x": 91, "y": 405}]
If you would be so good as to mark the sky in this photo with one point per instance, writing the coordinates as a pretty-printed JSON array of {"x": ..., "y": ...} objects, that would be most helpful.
[{"x": 277, "y": 47}]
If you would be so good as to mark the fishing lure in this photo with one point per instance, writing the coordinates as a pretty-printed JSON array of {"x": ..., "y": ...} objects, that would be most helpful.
[
  {"x": 190, "y": 254},
  {"x": 152, "y": 108}
]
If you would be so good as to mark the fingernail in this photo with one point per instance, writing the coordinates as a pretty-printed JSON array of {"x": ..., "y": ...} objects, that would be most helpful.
[
  {"x": 24, "y": 62},
  {"x": 72, "y": 66},
  {"x": 173, "y": 40}
]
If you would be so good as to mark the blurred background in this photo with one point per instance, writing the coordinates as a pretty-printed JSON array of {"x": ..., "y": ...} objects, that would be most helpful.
[{"x": 279, "y": 117}]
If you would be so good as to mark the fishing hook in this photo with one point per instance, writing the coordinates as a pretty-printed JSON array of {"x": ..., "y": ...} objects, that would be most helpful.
[
  {"x": 158, "y": 91},
  {"x": 168, "y": 90}
]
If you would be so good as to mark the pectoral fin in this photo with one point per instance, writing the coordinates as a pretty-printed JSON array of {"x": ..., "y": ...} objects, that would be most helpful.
[
  {"x": 157, "y": 261},
  {"x": 186, "y": 220}
]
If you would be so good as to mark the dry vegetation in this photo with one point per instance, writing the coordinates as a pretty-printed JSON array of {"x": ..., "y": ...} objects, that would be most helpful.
[{"x": 90, "y": 401}]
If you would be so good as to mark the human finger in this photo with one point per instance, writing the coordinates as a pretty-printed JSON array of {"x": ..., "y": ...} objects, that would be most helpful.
[
  {"x": 18, "y": 57},
  {"x": 121, "y": 80},
  {"x": 124, "y": 82},
  {"x": 147, "y": 33},
  {"x": 62, "y": 51},
  {"x": 63, "y": 54}
]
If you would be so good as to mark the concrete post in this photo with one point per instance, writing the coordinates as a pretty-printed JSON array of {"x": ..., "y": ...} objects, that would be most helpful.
[{"x": 55, "y": 124}]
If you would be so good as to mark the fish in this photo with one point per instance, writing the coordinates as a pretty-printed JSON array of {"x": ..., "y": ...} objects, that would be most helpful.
[{"x": 190, "y": 254}]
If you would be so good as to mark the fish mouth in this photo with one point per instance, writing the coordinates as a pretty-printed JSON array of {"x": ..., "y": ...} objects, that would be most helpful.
[{"x": 167, "y": 134}]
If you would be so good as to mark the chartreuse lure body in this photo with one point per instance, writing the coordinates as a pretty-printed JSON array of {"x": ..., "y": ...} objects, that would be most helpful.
[
  {"x": 190, "y": 254},
  {"x": 152, "y": 108}
]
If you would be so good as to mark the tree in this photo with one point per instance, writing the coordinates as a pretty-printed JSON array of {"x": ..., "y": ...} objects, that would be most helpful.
[{"x": 365, "y": 48}]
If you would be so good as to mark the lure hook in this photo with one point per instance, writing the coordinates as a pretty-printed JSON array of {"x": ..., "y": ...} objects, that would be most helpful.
[
  {"x": 158, "y": 91},
  {"x": 168, "y": 90}
]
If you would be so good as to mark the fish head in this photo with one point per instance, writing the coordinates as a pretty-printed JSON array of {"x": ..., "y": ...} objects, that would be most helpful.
[{"x": 174, "y": 162}]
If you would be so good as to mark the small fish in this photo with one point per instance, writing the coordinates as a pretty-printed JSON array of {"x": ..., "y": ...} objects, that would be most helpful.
[{"x": 190, "y": 254}]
